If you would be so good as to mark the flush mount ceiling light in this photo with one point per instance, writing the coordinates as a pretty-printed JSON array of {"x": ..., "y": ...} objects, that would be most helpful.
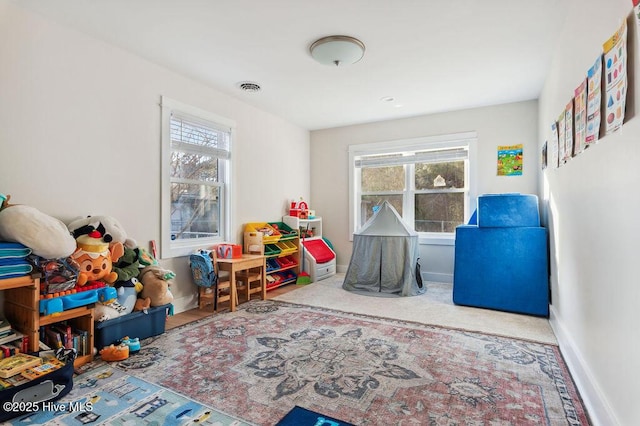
[{"x": 337, "y": 50}]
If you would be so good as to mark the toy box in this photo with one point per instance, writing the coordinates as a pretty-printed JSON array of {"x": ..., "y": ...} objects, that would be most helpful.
[
  {"x": 20, "y": 395},
  {"x": 136, "y": 324}
]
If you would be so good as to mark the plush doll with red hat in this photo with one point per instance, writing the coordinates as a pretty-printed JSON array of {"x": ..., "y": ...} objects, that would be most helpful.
[{"x": 95, "y": 258}]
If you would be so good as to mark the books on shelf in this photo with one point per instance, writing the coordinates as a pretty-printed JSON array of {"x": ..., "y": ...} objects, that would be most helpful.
[
  {"x": 10, "y": 337},
  {"x": 63, "y": 335},
  {"x": 4, "y": 326}
]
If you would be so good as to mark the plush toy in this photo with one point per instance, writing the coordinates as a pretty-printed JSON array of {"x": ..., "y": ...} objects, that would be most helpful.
[
  {"x": 45, "y": 235},
  {"x": 95, "y": 258},
  {"x": 128, "y": 293},
  {"x": 108, "y": 306},
  {"x": 127, "y": 266},
  {"x": 142, "y": 305},
  {"x": 145, "y": 258},
  {"x": 109, "y": 226},
  {"x": 114, "y": 353},
  {"x": 155, "y": 285}
]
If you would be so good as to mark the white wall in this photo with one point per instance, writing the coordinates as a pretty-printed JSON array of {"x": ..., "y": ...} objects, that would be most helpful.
[
  {"x": 80, "y": 134},
  {"x": 592, "y": 207},
  {"x": 498, "y": 125}
]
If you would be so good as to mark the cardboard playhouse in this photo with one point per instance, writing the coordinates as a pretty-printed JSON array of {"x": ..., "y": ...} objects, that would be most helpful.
[{"x": 384, "y": 257}]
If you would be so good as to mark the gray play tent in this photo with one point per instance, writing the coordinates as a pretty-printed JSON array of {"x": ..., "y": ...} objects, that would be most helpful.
[{"x": 384, "y": 257}]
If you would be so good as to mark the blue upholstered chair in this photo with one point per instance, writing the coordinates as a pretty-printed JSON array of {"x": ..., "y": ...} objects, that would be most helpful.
[{"x": 501, "y": 259}]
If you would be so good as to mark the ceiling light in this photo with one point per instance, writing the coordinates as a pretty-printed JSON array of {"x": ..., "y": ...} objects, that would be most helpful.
[
  {"x": 337, "y": 50},
  {"x": 249, "y": 86}
]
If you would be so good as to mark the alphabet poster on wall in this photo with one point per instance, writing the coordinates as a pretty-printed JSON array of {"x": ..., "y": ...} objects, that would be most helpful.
[
  {"x": 594, "y": 94},
  {"x": 552, "y": 149},
  {"x": 561, "y": 138},
  {"x": 510, "y": 160},
  {"x": 615, "y": 78},
  {"x": 568, "y": 132},
  {"x": 580, "y": 121}
]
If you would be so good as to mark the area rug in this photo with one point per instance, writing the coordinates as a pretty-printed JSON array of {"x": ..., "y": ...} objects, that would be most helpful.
[
  {"x": 267, "y": 357},
  {"x": 108, "y": 396}
]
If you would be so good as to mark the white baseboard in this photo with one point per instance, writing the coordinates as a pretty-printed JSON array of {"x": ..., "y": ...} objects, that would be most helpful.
[
  {"x": 185, "y": 303},
  {"x": 426, "y": 276},
  {"x": 437, "y": 277},
  {"x": 594, "y": 399}
]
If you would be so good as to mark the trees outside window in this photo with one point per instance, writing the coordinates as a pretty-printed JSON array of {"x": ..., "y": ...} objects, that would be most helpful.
[
  {"x": 196, "y": 162},
  {"x": 427, "y": 180}
]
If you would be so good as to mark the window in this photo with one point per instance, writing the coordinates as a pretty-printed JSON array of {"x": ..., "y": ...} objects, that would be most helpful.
[
  {"x": 427, "y": 180},
  {"x": 196, "y": 163}
]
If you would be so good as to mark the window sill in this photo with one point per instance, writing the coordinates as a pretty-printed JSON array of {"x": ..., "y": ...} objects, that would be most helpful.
[{"x": 437, "y": 240}]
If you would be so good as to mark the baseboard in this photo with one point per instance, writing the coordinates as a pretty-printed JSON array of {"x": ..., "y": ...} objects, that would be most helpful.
[
  {"x": 594, "y": 399},
  {"x": 185, "y": 303},
  {"x": 426, "y": 276},
  {"x": 437, "y": 277}
]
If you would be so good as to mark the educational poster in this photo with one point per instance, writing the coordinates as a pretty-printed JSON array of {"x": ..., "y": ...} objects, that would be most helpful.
[
  {"x": 561, "y": 138},
  {"x": 543, "y": 159},
  {"x": 636, "y": 10},
  {"x": 552, "y": 149},
  {"x": 580, "y": 120},
  {"x": 510, "y": 160},
  {"x": 594, "y": 95},
  {"x": 568, "y": 132},
  {"x": 615, "y": 79}
]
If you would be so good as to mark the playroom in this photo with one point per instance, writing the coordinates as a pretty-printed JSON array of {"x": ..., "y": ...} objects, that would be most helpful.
[{"x": 203, "y": 204}]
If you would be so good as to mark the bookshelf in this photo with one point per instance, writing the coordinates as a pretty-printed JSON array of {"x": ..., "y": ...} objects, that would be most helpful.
[{"x": 21, "y": 308}]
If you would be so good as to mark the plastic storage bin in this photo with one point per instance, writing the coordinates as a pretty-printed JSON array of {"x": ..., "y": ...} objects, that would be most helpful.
[
  {"x": 136, "y": 324},
  {"x": 269, "y": 233}
]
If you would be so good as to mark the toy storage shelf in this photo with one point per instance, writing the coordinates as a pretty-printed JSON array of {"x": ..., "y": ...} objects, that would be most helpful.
[
  {"x": 21, "y": 308},
  {"x": 281, "y": 251},
  {"x": 314, "y": 225}
]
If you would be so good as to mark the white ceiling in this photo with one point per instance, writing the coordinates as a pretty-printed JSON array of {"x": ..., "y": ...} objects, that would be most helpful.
[{"x": 429, "y": 55}]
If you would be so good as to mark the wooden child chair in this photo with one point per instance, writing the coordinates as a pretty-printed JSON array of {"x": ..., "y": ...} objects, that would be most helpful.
[
  {"x": 250, "y": 281},
  {"x": 221, "y": 292}
]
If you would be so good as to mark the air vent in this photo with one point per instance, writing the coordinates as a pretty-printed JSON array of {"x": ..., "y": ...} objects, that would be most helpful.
[{"x": 249, "y": 86}]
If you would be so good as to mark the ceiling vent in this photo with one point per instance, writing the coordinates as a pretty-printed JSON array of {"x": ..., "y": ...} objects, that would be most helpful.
[{"x": 249, "y": 86}]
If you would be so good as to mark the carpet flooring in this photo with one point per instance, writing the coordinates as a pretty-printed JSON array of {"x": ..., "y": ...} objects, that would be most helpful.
[
  {"x": 434, "y": 307},
  {"x": 267, "y": 357}
]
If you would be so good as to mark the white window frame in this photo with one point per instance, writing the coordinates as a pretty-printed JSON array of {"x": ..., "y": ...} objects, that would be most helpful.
[
  {"x": 169, "y": 248},
  {"x": 468, "y": 139}
]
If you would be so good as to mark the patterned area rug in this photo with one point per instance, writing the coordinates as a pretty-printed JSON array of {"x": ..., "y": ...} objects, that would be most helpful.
[{"x": 259, "y": 362}]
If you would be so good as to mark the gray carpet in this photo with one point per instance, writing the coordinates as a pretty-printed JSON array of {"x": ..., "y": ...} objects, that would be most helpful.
[{"x": 435, "y": 307}]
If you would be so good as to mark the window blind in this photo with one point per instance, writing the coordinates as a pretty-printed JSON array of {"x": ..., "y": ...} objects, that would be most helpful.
[
  {"x": 433, "y": 156},
  {"x": 195, "y": 136}
]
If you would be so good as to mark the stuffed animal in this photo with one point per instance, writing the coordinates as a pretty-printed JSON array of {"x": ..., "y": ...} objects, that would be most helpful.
[
  {"x": 109, "y": 226},
  {"x": 95, "y": 258},
  {"x": 114, "y": 353},
  {"x": 142, "y": 305},
  {"x": 155, "y": 285},
  {"x": 145, "y": 258},
  {"x": 127, "y": 266},
  {"x": 108, "y": 306},
  {"x": 45, "y": 235},
  {"x": 128, "y": 293}
]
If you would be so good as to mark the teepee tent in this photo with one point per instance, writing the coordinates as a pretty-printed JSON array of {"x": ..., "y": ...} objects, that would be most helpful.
[{"x": 384, "y": 257}]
